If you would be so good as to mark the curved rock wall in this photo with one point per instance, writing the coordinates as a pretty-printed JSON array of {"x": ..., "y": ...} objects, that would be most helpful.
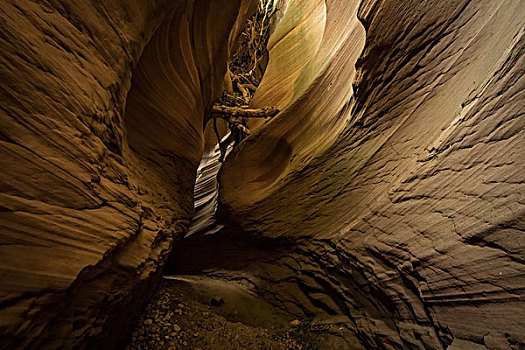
[
  {"x": 408, "y": 223},
  {"x": 94, "y": 188},
  {"x": 310, "y": 56},
  {"x": 394, "y": 171}
]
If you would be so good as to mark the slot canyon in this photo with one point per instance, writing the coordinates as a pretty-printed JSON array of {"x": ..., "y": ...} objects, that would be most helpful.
[{"x": 382, "y": 207}]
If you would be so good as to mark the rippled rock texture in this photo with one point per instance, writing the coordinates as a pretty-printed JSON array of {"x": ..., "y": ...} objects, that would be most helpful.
[
  {"x": 98, "y": 165},
  {"x": 394, "y": 171},
  {"x": 402, "y": 181}
]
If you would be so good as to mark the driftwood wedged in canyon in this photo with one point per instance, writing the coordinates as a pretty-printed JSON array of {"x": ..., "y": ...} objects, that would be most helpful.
[
  {"x": 95, "y": 183},
  {"x": 409, "y": 212},
  {"x": 310, "y": 56}
]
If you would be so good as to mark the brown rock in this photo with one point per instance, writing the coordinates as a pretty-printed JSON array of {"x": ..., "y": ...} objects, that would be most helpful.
[
  {"x": 394, "y": 173},
  {"x": 397, "y": 164},
  {"x": 76, "y": 238},
  {"x": 295, "y": 323}
]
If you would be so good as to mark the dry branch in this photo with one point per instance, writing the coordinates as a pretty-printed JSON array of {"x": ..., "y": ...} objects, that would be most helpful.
[{"x": 226, "y": 112}]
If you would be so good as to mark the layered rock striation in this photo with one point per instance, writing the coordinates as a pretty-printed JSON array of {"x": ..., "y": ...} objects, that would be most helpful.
[
  {"x": 102, "y": 114},
  {"x": 387, "y": 195},
  {"x": 401, "y": 183}
]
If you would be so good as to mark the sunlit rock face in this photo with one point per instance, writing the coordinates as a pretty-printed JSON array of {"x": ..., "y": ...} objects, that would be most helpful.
[
  {"x": 401, "y": 182},
  {"x": 96, "y": 182}
]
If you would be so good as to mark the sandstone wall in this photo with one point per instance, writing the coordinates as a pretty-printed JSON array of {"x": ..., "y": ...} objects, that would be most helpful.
[
  {"x": 408, "y": 221},
  {"x": 96, "y": 182},
  {"x": 394, "y": 172}
]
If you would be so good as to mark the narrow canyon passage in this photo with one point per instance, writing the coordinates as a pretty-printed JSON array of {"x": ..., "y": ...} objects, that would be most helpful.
[
  {"x": 381, "y": 208},
  {"x": 207, "y": 301}
]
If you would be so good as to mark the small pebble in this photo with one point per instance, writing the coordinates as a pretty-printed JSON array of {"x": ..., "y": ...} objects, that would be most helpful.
[{"x": 295, "y": 323}]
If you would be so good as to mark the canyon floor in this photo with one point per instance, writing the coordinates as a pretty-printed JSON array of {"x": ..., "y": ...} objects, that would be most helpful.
[
  {"x": 202, "y": 301},
  {"x": 195, "y": 312}
]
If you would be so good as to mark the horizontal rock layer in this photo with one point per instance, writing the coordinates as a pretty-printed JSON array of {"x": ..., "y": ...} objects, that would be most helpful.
[{"x": 404, "y": 198}]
